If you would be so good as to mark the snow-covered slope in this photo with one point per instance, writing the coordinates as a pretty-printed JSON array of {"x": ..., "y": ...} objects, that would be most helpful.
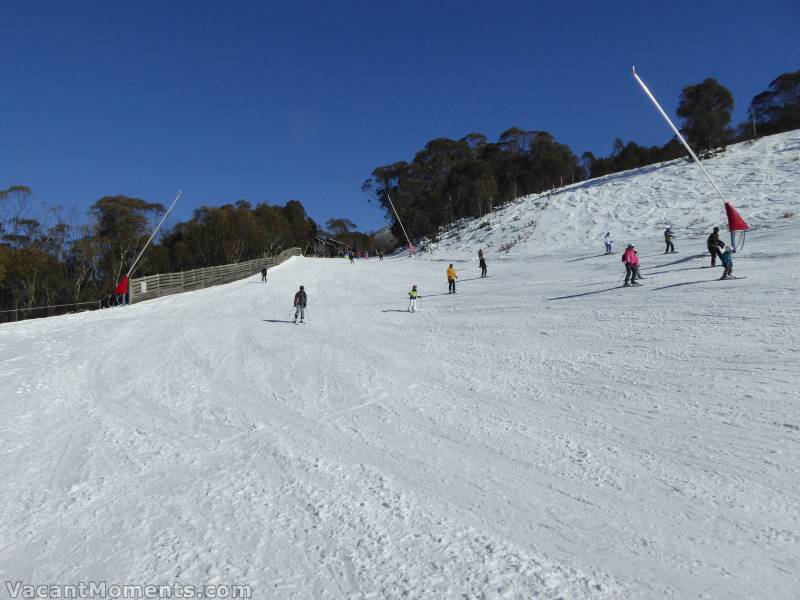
[
  {"x": 543, "y": 433},
  {"x": 760, "y": 177}
]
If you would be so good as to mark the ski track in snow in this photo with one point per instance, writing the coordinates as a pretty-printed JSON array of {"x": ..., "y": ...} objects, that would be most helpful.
[{"x": 541, "y": 434}]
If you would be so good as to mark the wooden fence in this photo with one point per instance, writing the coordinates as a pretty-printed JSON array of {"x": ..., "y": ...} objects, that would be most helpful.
[{"x": 154, "y": 286}]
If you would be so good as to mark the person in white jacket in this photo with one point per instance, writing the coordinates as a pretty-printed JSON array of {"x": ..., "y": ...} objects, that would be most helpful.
[{"x": 608, "y": 241}]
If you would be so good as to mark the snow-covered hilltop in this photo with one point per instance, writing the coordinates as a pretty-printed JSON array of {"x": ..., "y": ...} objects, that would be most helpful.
[
  {"x": 762, "y": 179},
  {"x": 543, "y": 433}
]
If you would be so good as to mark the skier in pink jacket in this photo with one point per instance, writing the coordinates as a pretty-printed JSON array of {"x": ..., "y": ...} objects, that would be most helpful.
[{"x": 631, "y": 260}]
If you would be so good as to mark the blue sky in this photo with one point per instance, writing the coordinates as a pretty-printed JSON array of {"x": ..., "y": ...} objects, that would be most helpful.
[{"x": 273, "y": 101}]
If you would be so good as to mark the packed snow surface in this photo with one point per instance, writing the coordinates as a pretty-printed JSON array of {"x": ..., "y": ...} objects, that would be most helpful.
[{"x": 543, "y": 433}]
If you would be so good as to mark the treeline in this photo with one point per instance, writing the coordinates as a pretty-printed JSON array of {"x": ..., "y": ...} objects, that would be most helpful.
[
  {"x": 47, "y": 259},
  {"x": 451, "y": 179}
]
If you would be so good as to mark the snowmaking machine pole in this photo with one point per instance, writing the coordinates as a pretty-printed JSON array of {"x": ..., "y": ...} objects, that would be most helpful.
[
  {"x": 152, "y": 235},
  {"x": 410, "y": 245},
  {"x": 685, "y": 144}
]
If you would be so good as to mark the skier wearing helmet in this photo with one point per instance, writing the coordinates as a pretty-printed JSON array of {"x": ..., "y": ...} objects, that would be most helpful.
[
  {"x": 727, "y": 263},
  {"x": 631, "y": 261},
  {"x": 300, "y": 302},
  {"x": 412, "y": 299}
]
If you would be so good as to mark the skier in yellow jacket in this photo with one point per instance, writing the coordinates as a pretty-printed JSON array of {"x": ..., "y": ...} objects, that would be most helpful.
[
  {"x": 412, "y": 299},
  {"x": 451, "y": 279}
]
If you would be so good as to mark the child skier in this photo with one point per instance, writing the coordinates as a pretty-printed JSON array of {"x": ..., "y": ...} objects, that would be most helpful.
[
  {"x": 668, "y": 235},
  {"x": 264, "y": 274},
  {"x": 300, "y": 302},
  {"x": 451, "y": 279},
  {"x": 631, "y": 262},
  {"x": 412, "y": 299},
  {"x": 608, "y": 241},
  {"x": 482, "y": 265},
  {"x": 727, "y": 263}
]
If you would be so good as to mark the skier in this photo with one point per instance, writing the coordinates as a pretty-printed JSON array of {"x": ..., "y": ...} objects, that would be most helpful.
[
  {"x": 482, "y": 264},
  {"x": 451, "y": 279},
  {"x": 263, "y": 273},
  {"x": 412, "y": 299},
  {"x": 350, "y": 256},
  {"x": 631, "y": 260},
  {"x": 380, "y": 255},
  {"x": 714, "y": 244},
  {"x": 668, "y": 235},
  {"x": 608, "y": 241},
  {"x": 300, "y": 302},
  {"x": 727, "y": 263}
]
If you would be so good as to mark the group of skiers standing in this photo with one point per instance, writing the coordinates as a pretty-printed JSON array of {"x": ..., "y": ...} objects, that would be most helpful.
[
  {"x": 452, "y": 275},
  {"x": 630, "y": 258},
  {"x": 716, "y": 248},
  {"x": 354, "y": 253}
]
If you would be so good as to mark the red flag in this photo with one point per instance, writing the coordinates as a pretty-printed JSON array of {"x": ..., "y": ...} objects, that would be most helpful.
[
  {"x": 122, "y": 286},
  {"x": 735, "y": 220}
]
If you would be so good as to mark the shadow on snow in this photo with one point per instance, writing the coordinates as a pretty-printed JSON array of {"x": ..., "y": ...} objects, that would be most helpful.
[
  {"x": 588, "y": 257},
  {"x": 616, "y": 287},
  {"x": 682, "y": 284}
]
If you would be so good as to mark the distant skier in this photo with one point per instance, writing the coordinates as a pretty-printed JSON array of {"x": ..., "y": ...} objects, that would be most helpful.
[
  {"x": 727, "y": 263},
  {"x": 412, "y": 299},
  {"x": 451, "y": 279},
  {"x": 482, "y": 265},
  {"x": 300, "y": 303},
  {"x": 264, "y": 274},
  {"x": 668, "y": 235},
  {"x": 608, "y": 242},
  {"x": 350, "y": 256},
  {"x": 714, "y": 244},
  {"x": 380, "y": 255},
  {"x": 631, "y": 261}
]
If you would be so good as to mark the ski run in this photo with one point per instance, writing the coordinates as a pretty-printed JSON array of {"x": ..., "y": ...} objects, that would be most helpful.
[{"x": 542, "y": 433}]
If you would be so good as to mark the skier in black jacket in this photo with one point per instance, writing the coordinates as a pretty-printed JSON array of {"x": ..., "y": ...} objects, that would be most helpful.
[
  {"x": 300, "y": 302},
  {"x": 714, "y": 244}
]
